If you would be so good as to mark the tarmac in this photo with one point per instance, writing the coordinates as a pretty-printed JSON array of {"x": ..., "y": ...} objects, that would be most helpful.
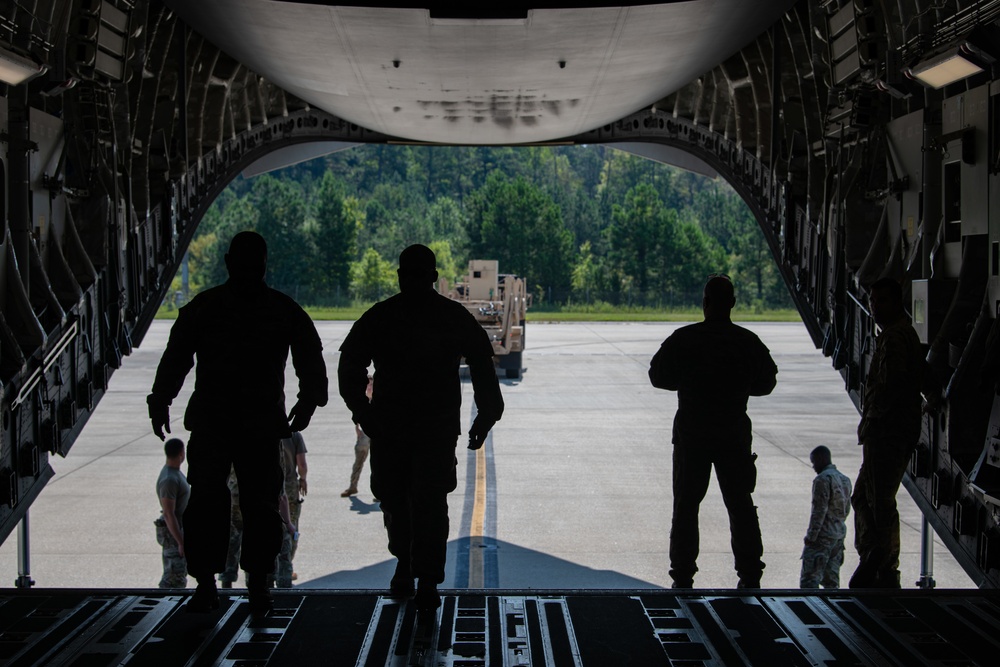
[{"x": 572, "y": 491}]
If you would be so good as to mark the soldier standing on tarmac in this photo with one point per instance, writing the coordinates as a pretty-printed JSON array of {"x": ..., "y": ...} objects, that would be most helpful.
[
  {"x": 823, "y": 553},
  {"x": 173, "y": 491},
  {"x": 714, "y": 366}
]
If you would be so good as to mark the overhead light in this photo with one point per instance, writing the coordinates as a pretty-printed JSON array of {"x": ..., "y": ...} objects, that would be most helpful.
[
  {"x": 15, "y": 69},
  {"x": 948, "y": 67}
]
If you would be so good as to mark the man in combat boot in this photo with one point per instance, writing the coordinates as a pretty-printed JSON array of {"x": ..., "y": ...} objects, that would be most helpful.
[
  {"x": 240, "y": 333},
  {"x": 714, "y": 366},
  {"x": 416, "y": 340},
  {"x": 888, "y": 434},
  {"x": 823, "y": 553}
]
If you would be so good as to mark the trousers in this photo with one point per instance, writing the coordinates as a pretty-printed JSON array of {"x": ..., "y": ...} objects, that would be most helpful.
[
  {"x": 207, "y": 518},
  {"x": 412, "y": 478},
  {"x": 821, "y": 565},
  {"x": 174, "y": 564},
  {"x": 876, "y": 518},
  {"x": 737, "y": 475},
  {"x": 360, "y": 455}
]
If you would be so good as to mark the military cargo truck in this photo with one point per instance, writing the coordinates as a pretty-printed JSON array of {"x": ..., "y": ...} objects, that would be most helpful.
[{"x": 499, "y": 303}]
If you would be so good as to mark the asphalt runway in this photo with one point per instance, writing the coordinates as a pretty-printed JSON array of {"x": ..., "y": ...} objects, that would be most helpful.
[{"x": 572, "y": 491}]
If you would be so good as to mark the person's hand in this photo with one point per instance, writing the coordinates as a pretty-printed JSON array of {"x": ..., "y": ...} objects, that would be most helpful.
[
  {"x": 180, "y": 549},
  {"x": 299, "y": 415},
  {"x": 159, "y": 415},
  {"x": 303, "y": 487},
  {"x": 372, "y": 429},
  {"x": 365, "y": 418},
  {"x": 480, "y": 429},
  {"x": 290, "y": 527}
]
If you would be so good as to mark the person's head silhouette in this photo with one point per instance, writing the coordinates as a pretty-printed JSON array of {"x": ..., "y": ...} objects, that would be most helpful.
[
  {"x": 719, "y": 297},
  {"x": 247, "y": 259},
  {"x": 885, "y": 298},
  {"x": 417, "y": 269}
]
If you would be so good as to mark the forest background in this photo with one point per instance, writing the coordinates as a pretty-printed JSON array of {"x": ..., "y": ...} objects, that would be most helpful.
[{"x": 589, "y": 228}]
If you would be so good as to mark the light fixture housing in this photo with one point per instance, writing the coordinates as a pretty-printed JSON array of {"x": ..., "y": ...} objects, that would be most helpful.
[
  {"x": 957, "y": 63},
  {"x": 16, "y": 69}
]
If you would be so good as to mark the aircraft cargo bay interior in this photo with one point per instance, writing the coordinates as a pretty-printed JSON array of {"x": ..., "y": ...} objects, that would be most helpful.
[{"x": 864, "y": 138}]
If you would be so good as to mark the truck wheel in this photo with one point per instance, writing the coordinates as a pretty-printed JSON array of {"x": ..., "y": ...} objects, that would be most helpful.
[{"x": 511, "y": 364}]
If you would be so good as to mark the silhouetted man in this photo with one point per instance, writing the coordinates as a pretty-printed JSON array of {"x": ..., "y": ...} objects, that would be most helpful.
[
  {"x": 240, "y": 333},
  {"x": 823, "y": 553},
  {"x": 888, "y": 433},
  {"x": 714, "y": 366},
  {"x": 416, "y": 341}
]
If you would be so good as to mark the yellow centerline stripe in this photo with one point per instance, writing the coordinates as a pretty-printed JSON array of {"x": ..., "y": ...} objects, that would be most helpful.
[{"x": 477, "y": 575}]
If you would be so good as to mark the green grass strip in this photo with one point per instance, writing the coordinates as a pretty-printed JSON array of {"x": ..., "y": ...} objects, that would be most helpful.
[
  {"x": 691, "y": 315},
  {"x": 577, "y": 314}
]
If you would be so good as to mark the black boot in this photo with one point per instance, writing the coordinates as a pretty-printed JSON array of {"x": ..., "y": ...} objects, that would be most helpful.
[
  {"x": 865, "y": 576},
  {"x": 401, "y": 586},
  {"x": 206, "y": 596},
  {"x": 259, "y": 593},
  {"x": 887, "y": 578},
  {"x": 427, "y": 598}
]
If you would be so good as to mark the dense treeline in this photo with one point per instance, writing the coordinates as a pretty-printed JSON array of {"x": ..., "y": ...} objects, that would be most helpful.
[{"x": 580, "y": 224}]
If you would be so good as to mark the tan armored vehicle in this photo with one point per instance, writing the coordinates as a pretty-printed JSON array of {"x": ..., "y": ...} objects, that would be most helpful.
[{"x": 499, "y": 302}]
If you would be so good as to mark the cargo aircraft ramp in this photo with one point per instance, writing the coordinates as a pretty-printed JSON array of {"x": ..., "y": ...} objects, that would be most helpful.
[{"x": 505, "y": 628}]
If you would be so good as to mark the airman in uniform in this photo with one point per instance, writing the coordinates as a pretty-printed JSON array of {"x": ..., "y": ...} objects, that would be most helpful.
[
  {"x": 888, "y": 434},
  {"x": 173, "y": 491},
  {"x": 823, "y": 553},
  {"x": 416, "y": 341},
  {"x": 240, "y": 335},
  {"x": 714, "y": 366}
]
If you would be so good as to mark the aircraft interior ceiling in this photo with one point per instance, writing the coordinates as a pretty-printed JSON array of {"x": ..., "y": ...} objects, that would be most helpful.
[{"x": 864, "y": 136}]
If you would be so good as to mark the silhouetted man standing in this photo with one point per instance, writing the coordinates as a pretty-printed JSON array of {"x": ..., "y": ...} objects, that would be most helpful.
[
  {"x": 823, "y": 553},
  {"x": 416, "y": 341},
  {"x": 714, "y": 366},
  {"x": 240, "y": 333},
  {"x": 888, "y": 433}
]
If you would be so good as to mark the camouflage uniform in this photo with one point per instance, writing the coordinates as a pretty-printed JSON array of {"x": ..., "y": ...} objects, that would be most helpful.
[
  {"x": 174, "y": 564},
  {"x": 232, "y": 571},
  {"x": 172, "y": 484},
  {"x": 289, "y": 448},
  {"x": 888, "y": 432},
  {"x": 824, "y": 551},
  {"x": 361, "y": 448}
]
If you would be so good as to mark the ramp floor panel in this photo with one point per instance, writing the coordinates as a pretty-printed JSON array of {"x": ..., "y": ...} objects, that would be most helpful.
[{"x": 98, "y": 628}]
